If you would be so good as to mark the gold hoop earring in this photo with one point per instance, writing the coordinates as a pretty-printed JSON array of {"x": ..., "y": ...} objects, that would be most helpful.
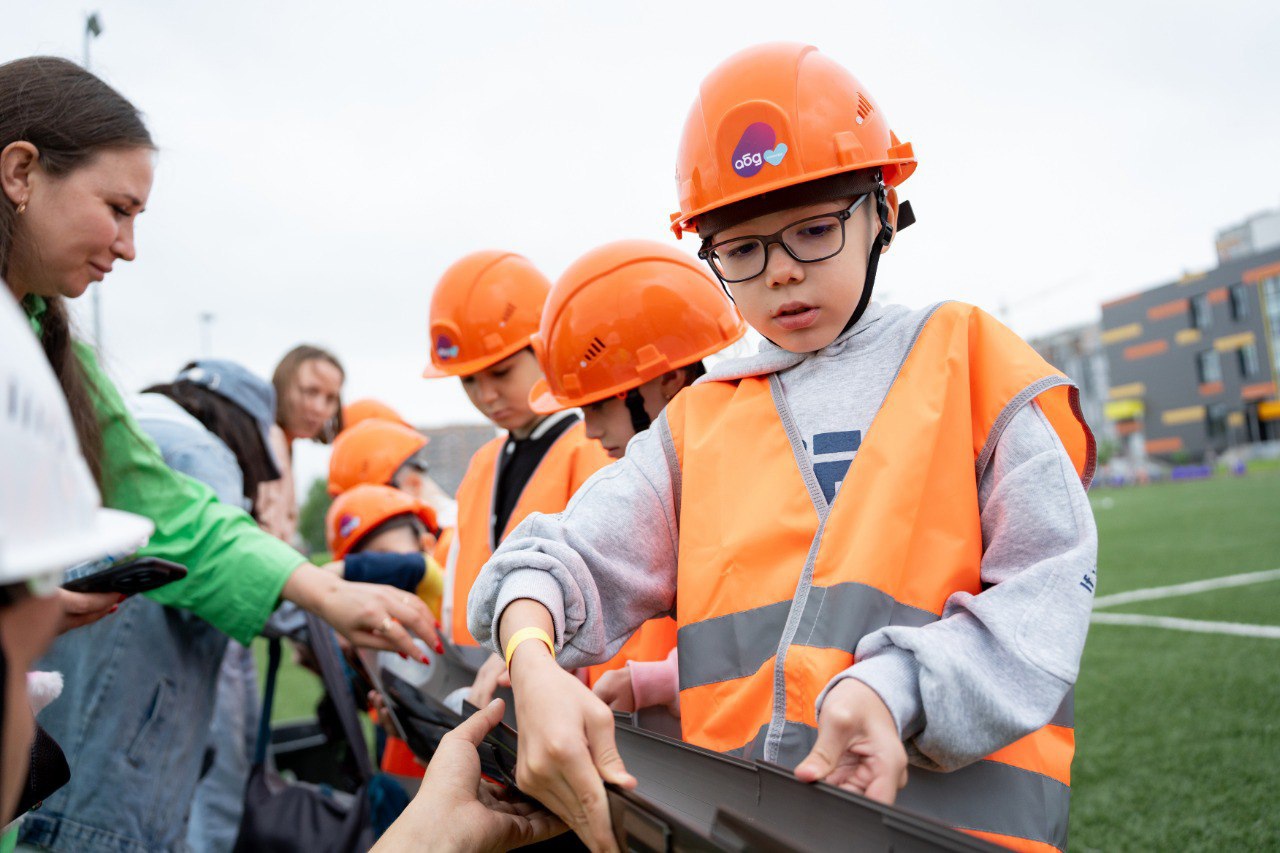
[{"x": 22, "y": 208}]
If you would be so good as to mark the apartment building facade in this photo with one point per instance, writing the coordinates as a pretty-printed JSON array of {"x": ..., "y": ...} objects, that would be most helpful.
[{"x": 1195, "y": 364}]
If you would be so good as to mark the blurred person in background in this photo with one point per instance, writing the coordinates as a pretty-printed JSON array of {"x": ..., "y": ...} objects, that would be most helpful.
[
  {"x": 76, "y": 168},
  {"x": 213, "y": 423},
  {"x": 411, "y": 476},
  {"x": 308, "y": 383}
]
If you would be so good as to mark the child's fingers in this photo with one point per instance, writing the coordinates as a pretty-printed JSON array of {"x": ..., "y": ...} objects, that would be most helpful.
[
  {"x": 834, "y": 734},
  {"x": 604, "y": 747},
  {"x": 883, "y": 787},
  {"x": 591, "y": 818}
]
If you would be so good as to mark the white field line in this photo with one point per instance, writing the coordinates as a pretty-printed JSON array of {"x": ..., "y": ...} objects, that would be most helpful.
[
  {"x": 1157, "y": 592},
  {"x": 1270, "y": 632}
]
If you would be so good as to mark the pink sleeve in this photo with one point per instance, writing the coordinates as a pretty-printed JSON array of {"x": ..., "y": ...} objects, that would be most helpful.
[{"x": 656, "y": 682}]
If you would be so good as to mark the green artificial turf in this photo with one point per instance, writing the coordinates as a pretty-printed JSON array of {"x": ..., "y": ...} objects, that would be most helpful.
[
  {"x": 297, "y": 689},
  {"x": 1178, "y": 734},
  {"x": 1171, "y": 533},
  {"x": 1256, "y": 604}
]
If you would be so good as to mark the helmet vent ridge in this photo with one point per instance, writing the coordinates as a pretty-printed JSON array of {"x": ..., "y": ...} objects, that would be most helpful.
[
  {"x": 594, "y": 349},
  {"x": 864, "y": 108},
  {"x": 508, "y": 313}
]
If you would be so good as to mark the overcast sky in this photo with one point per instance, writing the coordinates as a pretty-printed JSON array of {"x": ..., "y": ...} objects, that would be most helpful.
[{"x": 322, "y": 163}]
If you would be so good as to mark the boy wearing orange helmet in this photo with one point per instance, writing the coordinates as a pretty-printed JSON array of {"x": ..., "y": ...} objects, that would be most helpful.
[
  {"x": 391, "y": 453},
  {"x": 381, "y": 535},
  {"x": 623, "y": 331},
  {"x": 484, "y": 313},
  {"x": 874, "y": 532}
]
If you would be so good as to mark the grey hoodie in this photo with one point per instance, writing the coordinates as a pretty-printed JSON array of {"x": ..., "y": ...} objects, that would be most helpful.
[{"x": 996, "y": 666}]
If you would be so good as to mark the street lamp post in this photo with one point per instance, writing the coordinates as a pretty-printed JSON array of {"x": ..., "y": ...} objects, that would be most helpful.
[
  {"x": 206, "y": 334},
  {"x": 93, "y": 29}
]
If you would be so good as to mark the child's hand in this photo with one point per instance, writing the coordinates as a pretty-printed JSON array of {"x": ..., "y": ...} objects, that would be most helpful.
[
  {"x": 614, "y": 689},
  {"x": 492, "y": 675},
  {"x": 858, "y": 747},
  {"x": 566, "y": 745}
]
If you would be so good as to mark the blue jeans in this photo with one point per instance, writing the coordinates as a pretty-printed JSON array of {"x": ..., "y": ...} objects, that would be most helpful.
[
  {"x": 219, "y": 801},
  {"x": 133, "y": 720}
]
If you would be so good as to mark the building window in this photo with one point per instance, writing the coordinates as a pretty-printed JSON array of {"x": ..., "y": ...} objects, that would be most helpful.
[
  {"x": 1248, "y": 360},
  {"x": 1239, "y": 302},
  {"x": 1200, "y": 313},
  {"x": 1270, "y": 288},
  {"x": 1216, "y": 421},
  {"x": 1209, "y": 366}
]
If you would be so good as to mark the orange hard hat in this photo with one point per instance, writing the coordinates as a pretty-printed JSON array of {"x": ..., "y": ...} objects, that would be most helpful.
[
  {"x": 774, "y": 116},
  {"x": 359, "y": 510},
  {"x": 623, "y": 314},
  {"x": 372, "y": 451},
  {"x": 485, "y": 308},
  {"x": 361, "y": 410}
]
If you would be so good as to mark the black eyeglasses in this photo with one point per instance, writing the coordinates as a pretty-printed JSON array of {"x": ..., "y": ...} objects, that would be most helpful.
[{"x": 808, "y": 240}]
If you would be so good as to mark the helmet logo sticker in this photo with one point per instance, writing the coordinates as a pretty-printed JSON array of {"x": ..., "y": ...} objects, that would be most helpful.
[
  {"x": 348, "y": 524},
  {"x": 756, "y": 148},
  {"x": 445, "y": 348}
]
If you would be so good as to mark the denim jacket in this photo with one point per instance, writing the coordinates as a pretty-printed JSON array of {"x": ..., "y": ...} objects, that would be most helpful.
[{"x": 134, "y": 716}]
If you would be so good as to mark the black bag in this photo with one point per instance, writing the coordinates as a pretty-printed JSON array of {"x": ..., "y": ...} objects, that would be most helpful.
[{"x": 283, "y": 817}]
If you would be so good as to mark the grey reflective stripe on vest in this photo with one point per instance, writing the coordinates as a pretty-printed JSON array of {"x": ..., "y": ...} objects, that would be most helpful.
[
  {"x": 986, "y": 796},
  {"x": 835, "y": 617}
]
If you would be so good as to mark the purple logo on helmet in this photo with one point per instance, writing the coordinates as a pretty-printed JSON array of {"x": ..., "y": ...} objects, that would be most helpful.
[
  {"x": 347, "y": 525},
  {"x": 445, "y": 348},
  {"x": 749, "y": 156}
]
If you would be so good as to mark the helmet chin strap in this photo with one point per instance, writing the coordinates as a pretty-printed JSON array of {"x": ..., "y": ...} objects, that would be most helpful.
[
  {"x": 640, "y": 420},
  {"x": 873, "y": 260}
]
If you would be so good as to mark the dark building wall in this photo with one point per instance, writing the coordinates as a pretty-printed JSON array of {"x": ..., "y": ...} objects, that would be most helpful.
[
  {"x": 450, "y": 451},
  {"x": 1199, "y": 355}
]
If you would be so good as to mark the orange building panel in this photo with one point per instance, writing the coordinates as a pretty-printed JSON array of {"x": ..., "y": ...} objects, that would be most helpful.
[
  {"x": 1128, "y": 427},
  {"x": 1258, "y": 274},
  {"x": 1208, "y": 389},
  {"x": 1167, "y": 310},
  {"x": 1261, "y": 389},
  {"x": 1164, "y": 445},
  {"x": 1146, "y": 350},
  {"x": 1217, "y": 296},
  {"x": 1122, "y": 300}
]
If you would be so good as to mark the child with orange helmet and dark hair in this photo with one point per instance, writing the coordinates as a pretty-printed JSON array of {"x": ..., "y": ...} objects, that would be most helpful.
[
  {"x": 484, "y": 313},
  {"x": 625, "y": 328},
  {"x": 874, "y": 533}
]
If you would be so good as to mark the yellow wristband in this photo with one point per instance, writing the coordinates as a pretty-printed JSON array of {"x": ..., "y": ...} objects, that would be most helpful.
[{"x": 529, "y": 634}]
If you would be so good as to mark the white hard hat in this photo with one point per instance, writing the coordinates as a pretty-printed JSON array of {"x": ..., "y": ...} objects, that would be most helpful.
[{"x": 51, "y": 515}]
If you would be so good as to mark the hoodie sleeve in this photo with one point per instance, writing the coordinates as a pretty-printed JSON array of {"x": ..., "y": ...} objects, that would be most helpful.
[
  {"x": 997, "y": 665},
  {"x": 601, "y": 567}
]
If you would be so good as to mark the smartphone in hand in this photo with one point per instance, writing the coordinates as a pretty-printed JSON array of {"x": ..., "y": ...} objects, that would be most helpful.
[{"x": 129, "y": 577}]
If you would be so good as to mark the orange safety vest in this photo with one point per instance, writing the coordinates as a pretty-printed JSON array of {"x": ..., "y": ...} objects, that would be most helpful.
[
  {"x": 443, "y": 543},
  {"x": 775, "y": 589},
  {"x": 566, "y": 466}
]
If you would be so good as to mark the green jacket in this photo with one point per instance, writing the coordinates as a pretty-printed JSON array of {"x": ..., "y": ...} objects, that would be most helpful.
[{"x": 235, "y": 571}]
